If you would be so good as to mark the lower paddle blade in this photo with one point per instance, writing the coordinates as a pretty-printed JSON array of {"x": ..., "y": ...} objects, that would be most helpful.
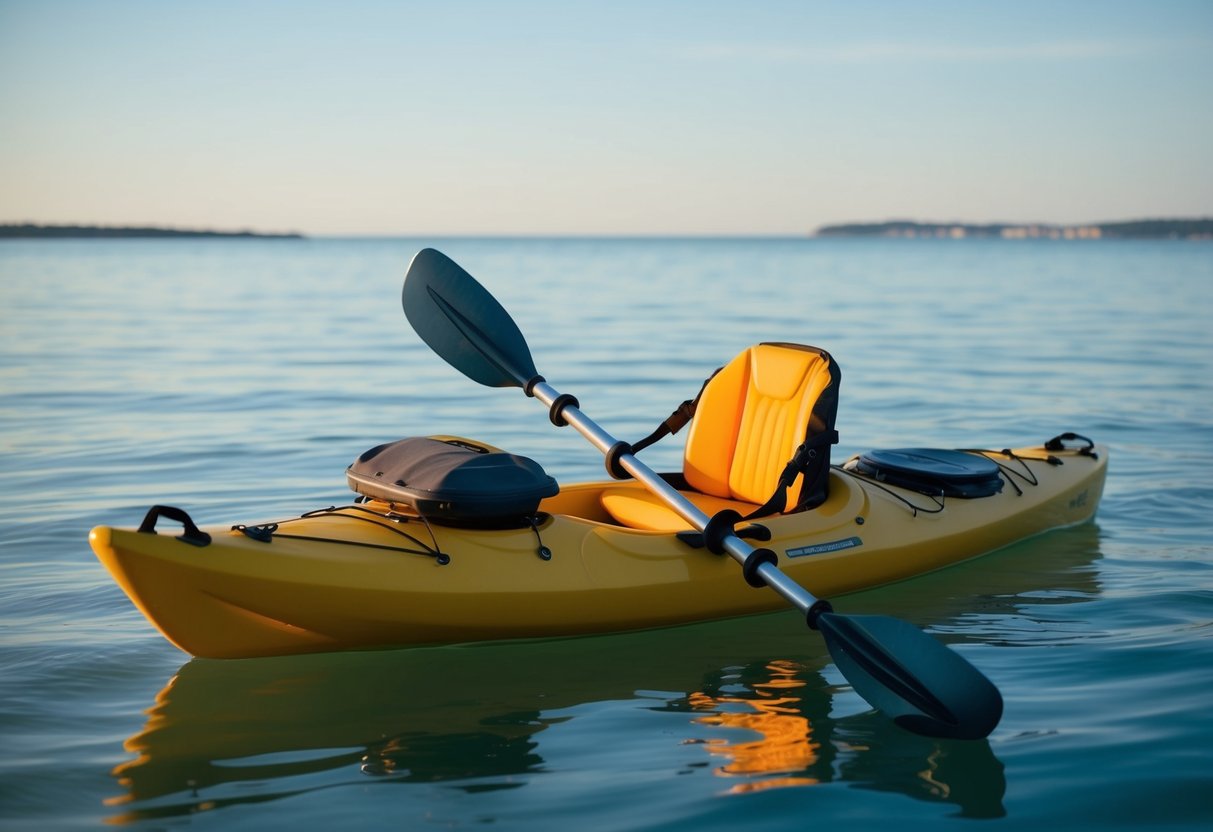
[
  {"x": 463, "y": 323},
  {"x": 921, "y": 684}
]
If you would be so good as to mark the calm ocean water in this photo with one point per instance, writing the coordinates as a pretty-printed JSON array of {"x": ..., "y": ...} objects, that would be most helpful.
[{"x": 238, "y": 379}]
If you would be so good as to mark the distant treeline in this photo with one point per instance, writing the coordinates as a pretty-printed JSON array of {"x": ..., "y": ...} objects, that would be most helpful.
[
  {"x": 1178, "y": 229},
  {"x": 30, "y": 230}
]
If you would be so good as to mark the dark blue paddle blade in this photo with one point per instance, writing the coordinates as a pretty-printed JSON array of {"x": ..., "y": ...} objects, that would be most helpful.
[
  {"x": 463, "y": 323},
  {"x": 921, "y": 684}
]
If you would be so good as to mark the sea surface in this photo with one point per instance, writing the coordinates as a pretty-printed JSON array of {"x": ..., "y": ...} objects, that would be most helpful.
[{"x": 238, "y": 378}]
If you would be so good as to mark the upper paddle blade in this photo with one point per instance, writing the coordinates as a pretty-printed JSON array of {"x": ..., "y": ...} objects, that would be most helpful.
[
  {"x": 463, "y": 323},
  {"x": 925, "y": 687}
]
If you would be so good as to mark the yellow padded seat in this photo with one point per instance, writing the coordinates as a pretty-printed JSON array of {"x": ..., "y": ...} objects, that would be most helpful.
[
  {"x": 639, "y": 508},
  {"x": 751, "y": 417},
  {"x": 749, "y": 421}
]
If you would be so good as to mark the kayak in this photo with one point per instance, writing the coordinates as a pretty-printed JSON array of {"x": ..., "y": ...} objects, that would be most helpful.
[
  {"x": 594, "y": 557},
  {"x": 452, "y": 540}
]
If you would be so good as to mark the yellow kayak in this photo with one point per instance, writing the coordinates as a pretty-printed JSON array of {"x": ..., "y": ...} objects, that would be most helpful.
[
  {"x": 451, "y": 540},
  {"x": 595, "y": 557}
]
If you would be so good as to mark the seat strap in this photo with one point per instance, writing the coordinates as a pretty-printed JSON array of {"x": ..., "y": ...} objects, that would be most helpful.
[
  {"x": 798, "y": 464},
  {"x": 677, "y": 420}
]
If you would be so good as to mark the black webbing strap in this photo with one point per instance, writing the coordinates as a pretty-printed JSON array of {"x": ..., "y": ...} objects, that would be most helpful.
[
  {"x": 797, "y": 465},
  {"x": 676, "y": 420}
]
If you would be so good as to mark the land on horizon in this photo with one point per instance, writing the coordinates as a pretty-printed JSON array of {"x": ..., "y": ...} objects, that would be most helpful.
[
  {"x": 1144, "y": 229},
  {"x": 34, "y": 230}
]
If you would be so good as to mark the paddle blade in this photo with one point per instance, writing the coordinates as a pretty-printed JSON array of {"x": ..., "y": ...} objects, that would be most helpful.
[
  {"x": 463, "y": 323},
  {"x": 921, "y": 684}
]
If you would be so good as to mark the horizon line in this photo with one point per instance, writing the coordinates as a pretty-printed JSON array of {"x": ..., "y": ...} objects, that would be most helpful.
[{"x": 36, "y": 230}]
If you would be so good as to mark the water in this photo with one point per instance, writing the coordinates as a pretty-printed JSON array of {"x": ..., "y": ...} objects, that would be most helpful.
[{"x": 239, "y": 378}]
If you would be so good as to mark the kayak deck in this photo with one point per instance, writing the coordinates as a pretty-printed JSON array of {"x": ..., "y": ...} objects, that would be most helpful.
[{"x": 371, "y": 575}]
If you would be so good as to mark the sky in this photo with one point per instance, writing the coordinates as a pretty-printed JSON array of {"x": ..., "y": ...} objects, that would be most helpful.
[{"x": 521, "y": 117}]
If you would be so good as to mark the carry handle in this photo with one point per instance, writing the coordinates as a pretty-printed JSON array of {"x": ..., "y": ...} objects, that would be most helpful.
[
  {"x": 1057, "y": 443},
  {"x": 193, "y": 535}
]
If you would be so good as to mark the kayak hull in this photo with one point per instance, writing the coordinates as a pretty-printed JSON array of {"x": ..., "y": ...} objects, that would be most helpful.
[{"x": 349, "y": 578}]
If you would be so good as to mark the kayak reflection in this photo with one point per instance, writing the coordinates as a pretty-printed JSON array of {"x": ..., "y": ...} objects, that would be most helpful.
[{"x": 473, "y": 717}]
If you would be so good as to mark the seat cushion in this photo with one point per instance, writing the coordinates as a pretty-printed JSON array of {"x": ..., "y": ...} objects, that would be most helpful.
[{"x": 638, "y": 508}]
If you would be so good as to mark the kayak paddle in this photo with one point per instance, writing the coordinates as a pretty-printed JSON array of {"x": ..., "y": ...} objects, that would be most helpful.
[{"x": 921, "y": 684}]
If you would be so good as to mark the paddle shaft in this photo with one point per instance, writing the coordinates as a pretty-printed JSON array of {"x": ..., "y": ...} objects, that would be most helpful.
[{"x": 737, "y": 548}]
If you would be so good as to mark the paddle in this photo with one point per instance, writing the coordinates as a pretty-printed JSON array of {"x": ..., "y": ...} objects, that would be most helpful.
[{"x": 921, "y": 684}]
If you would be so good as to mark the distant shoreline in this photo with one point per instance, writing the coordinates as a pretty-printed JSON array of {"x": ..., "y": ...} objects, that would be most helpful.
[
  {"x": 29, "y": 231},
  {"x": 1159, "y": 229},
  {"x": 1150, "y": 229}
]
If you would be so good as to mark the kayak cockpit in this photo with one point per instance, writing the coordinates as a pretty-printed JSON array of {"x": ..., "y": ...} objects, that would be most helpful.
[{"x": 759, "y": 444}]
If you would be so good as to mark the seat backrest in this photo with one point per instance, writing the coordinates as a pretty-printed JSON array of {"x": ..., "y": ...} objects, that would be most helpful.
[{"x": 752, "y": 416}]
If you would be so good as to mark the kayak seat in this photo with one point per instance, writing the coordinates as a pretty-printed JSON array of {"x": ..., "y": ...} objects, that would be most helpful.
[
  {"x": 756, "y": 414},
  {"x": 638, "y": 508}
]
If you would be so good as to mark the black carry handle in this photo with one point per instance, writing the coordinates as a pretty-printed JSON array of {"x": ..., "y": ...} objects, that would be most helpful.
[
  {"x": 1057, "y": 443},
  {"x": 193, "y": 535}
]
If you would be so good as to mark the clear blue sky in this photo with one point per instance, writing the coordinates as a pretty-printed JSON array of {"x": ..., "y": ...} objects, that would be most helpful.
[{"x": 524, "y": 117}]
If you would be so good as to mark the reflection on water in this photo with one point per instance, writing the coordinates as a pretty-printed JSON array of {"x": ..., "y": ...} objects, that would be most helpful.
[
  {"x": 784, "y": 743},
  {"x": 788, "y": 738},
  {"x": 476, "y": 718}
]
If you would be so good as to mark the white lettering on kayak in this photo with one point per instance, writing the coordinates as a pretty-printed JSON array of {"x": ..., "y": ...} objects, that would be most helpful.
[{"x": 825, "y": 548}]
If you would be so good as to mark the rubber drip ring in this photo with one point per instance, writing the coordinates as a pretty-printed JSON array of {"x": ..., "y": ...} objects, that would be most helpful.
[
  {"x": 754, "y": 560},
  {"x": 614, "y": 468},
  {"x": 558, "y": 405},
  {"x": 718, "y": 528}
]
